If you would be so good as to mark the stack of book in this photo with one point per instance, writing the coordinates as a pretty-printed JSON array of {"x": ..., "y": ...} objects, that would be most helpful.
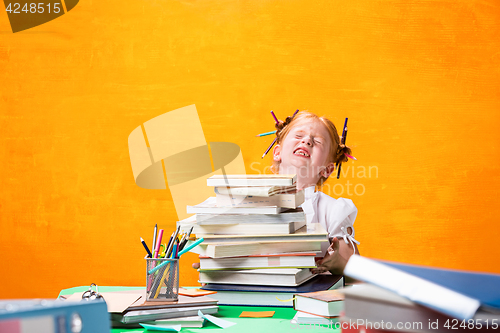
[
  {"x": 183, "y": 312},
  {"x": 130, "y": 308},
  {"x": 256, "y": 240}
]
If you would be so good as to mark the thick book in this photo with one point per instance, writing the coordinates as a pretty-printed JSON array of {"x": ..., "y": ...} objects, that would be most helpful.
[
  {"x": 458, "y": 294},
  {"x": 311, "y": 232},
  {"x": 325, "y": 303},
  {"x": 223, "y": 250},
  {"x": 252, "y": 180},
  {"x": 290, "y": 277},
  {"x": 292, "y": 215},
  {"x": 209, "y": 206},
  {"x": 257, "y": 191},
  {"x": 368, "y": 304},
  {"x": 291, "y": 200},
  {"x": 247, "y": 295},
  {"x": 183, "y": 301},
  {"x": 310, "y": 319},
  {"x": 192, "y": 322},
  {"x": 285, "y": 260}
]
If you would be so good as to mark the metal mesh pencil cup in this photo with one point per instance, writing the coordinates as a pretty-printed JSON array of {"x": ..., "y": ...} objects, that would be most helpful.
[{"x": 162, "y": 279}]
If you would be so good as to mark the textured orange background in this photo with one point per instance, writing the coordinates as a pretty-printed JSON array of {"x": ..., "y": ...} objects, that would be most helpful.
[{"x": 419, "y": 81}]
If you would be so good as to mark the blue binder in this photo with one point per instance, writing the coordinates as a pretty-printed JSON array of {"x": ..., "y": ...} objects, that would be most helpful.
[{"x": 54, "y": 316}]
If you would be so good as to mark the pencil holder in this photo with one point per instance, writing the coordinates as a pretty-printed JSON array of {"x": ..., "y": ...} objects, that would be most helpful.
[{"x": 162, "y": 279}]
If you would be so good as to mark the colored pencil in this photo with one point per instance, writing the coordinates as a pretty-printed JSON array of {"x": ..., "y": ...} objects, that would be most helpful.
[
  {"x": 344, "y": 135},
  {"x": 267, "y": 133},
  {"x": 276, "y": 138}
]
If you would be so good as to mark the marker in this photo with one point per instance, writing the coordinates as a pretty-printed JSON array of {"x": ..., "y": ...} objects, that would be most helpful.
[
  {"x": 158, "y": 242},
  {"x": 146, "y": 247}
]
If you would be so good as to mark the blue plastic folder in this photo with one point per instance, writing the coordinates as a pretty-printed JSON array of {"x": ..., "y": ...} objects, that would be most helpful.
[{"x": 62, "y": 316}]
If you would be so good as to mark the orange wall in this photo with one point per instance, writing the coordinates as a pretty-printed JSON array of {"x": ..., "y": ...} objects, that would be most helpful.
[{"x": 419, "y": 81}]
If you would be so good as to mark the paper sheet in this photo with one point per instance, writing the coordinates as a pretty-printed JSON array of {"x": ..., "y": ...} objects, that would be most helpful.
[
  {"x": 257, "y": 314},
  {"x": 216, "y": 321},
  {"x": 164, "y": 328},
  {"x": 195, "y": 292},
  {"x": 116, "y": 302}
]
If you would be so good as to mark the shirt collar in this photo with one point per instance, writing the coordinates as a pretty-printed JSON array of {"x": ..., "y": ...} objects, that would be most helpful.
[{"x": 309, "y": 192}]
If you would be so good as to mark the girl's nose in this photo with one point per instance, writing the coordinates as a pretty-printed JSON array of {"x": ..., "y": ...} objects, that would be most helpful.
[{"x": 307, "y": 140}]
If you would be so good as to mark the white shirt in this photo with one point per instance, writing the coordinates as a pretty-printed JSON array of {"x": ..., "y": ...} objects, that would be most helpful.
[{"x": 334, "y": 215}]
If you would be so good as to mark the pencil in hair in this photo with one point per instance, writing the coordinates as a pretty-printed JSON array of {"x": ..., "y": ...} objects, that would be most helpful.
[{"x": 344, "y": 135}]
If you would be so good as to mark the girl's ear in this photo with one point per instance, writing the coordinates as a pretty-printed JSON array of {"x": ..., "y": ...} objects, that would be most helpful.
[
  {"x": 277, "y": 153},
  {"x": 327, "y": 171}
]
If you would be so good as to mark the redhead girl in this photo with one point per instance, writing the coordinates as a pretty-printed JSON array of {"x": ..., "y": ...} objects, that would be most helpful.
[{"x": 309, "y": 146}]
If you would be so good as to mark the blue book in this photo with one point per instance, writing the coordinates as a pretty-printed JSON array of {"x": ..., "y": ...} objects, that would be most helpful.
[
  {"x": 484, "y": 287},
  {"x": 278, "y": 296}
]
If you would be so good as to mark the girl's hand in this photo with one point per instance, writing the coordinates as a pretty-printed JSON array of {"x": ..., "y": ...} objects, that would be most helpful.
[
  {"x": 196, "y": 265},
  {"x": 333, "y": 261}
]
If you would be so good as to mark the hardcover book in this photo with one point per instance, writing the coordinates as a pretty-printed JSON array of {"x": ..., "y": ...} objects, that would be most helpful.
[
  {"x": 285, "y": 260},
  {"x": 271, "y": 277},
  {"x": 325, "y": 303}
]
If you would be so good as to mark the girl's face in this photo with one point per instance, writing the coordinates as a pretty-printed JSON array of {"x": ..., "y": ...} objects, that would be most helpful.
[{"x": 304, "y": 152}]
